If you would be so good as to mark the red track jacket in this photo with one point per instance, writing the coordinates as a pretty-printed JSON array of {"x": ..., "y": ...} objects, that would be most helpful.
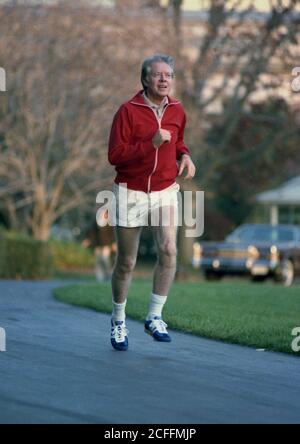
[{"x": 138, "y": 163}]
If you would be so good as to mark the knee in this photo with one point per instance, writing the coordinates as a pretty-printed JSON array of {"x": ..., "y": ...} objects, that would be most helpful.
[
  {"x": 126, "y": 264},
  {"x": 168, "y": 248},
  {"x": 168, "y": 253}
]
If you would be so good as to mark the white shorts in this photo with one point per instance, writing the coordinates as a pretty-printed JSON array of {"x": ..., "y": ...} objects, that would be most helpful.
[{"x": 137, "y": 209}]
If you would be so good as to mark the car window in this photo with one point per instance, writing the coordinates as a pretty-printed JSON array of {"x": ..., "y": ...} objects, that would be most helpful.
[
  {"x": 286, "y": 235},
  {"x": 237, "y": 234},
  {"x": 267, "y": 234}
]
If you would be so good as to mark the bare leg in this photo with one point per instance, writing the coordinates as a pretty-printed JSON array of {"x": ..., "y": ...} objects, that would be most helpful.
[
  {"x": 165, "y": 240},
  {"x": 128, "y": 243}
]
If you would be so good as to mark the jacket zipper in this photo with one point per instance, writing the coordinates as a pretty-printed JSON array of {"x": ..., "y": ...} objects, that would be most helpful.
[{"x": 159, "y": 120}]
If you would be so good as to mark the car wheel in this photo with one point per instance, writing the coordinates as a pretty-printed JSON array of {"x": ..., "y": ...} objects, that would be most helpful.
[
  {"x": 211, "y": 276},
  {"x": 286, "y": 273}
]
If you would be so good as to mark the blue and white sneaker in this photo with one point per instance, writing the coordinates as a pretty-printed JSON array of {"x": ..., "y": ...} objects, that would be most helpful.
[
  {"x": 157, "y": 328},
  {"x": 118, "y": 336}
]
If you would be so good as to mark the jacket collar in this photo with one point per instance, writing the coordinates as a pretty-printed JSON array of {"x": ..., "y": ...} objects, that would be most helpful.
[{"x": 138, "y": 99}]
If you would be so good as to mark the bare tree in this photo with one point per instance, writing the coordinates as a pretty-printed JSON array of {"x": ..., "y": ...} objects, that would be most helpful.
[
  {"x": 238, "y": 46},
  {"x": 68, "y": 71}
]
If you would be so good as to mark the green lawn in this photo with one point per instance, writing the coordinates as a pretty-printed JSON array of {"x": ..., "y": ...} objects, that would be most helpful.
[{"x": 261, "y": 316}]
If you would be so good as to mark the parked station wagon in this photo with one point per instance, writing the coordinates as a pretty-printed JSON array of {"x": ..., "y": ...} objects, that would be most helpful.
[{"x": 257, "y": 250}]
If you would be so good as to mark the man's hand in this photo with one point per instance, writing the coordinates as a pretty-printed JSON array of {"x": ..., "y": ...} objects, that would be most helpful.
[
  {"x": 161, "y": 137},
  {"x": 186, "y": 162}
]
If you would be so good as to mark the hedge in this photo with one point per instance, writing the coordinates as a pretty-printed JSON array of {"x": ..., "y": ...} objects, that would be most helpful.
[
  {"x": 22, "y": 257},
  {"x": 71, "y": 256}
]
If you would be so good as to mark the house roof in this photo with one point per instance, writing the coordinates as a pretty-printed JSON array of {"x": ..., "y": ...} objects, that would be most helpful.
[{"x": 286, "y": 194}]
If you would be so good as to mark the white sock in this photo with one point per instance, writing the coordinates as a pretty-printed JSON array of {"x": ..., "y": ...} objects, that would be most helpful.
[
  {"x": 157, "y": 303},
  {"x": 118, "y": 313}
]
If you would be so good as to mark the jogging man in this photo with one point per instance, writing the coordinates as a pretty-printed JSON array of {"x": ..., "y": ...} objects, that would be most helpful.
[{"x": 147, "y": 148}]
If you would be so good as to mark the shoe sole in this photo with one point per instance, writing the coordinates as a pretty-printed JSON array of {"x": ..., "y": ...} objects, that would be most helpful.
[
  {"x": 119, "y": 349},
  {"x": 155, "y": 339}
]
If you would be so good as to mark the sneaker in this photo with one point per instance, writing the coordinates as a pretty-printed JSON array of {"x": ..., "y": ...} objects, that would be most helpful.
[
  {"x": 156, "y": 327},
  {"x": 118, "y": 337}
]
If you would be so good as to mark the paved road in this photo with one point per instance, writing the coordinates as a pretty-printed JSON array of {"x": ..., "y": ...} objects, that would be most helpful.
[{"x": 59, "y": 368}]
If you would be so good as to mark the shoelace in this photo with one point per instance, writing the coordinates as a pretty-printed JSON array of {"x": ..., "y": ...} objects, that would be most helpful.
[
  {"x": 160, "y": 325},
  {"x": 119, "y": 332}
]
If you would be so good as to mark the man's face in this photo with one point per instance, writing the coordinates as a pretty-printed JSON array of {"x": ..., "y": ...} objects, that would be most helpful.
[{"x": 160, "y": 80}]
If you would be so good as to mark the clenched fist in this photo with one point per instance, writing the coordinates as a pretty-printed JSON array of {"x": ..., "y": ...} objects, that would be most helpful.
[{"x": 161, "y": 137}]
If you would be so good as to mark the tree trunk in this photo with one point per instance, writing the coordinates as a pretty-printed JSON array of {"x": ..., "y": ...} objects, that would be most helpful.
[
  {"x": 185, "y": 247},
  {"x": 41, "y": 231},
  {"x": 177, "y": 31},
  {"x": 41, "y": 220}
]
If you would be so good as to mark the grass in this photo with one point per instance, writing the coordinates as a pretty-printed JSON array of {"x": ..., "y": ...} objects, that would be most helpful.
[
  {"x": 256, "y": 315},
  {"x": 88, "y": 275}
]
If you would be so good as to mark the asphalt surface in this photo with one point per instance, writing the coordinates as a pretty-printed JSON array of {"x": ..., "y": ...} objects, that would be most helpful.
[{"x": 59, "y": 367}]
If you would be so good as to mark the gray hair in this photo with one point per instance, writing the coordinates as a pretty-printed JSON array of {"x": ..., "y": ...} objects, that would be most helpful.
[{"x": 147, "y": 63}]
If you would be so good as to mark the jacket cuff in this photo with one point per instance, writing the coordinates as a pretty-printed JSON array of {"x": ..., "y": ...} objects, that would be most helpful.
[{"x": 183, "y": 153}]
